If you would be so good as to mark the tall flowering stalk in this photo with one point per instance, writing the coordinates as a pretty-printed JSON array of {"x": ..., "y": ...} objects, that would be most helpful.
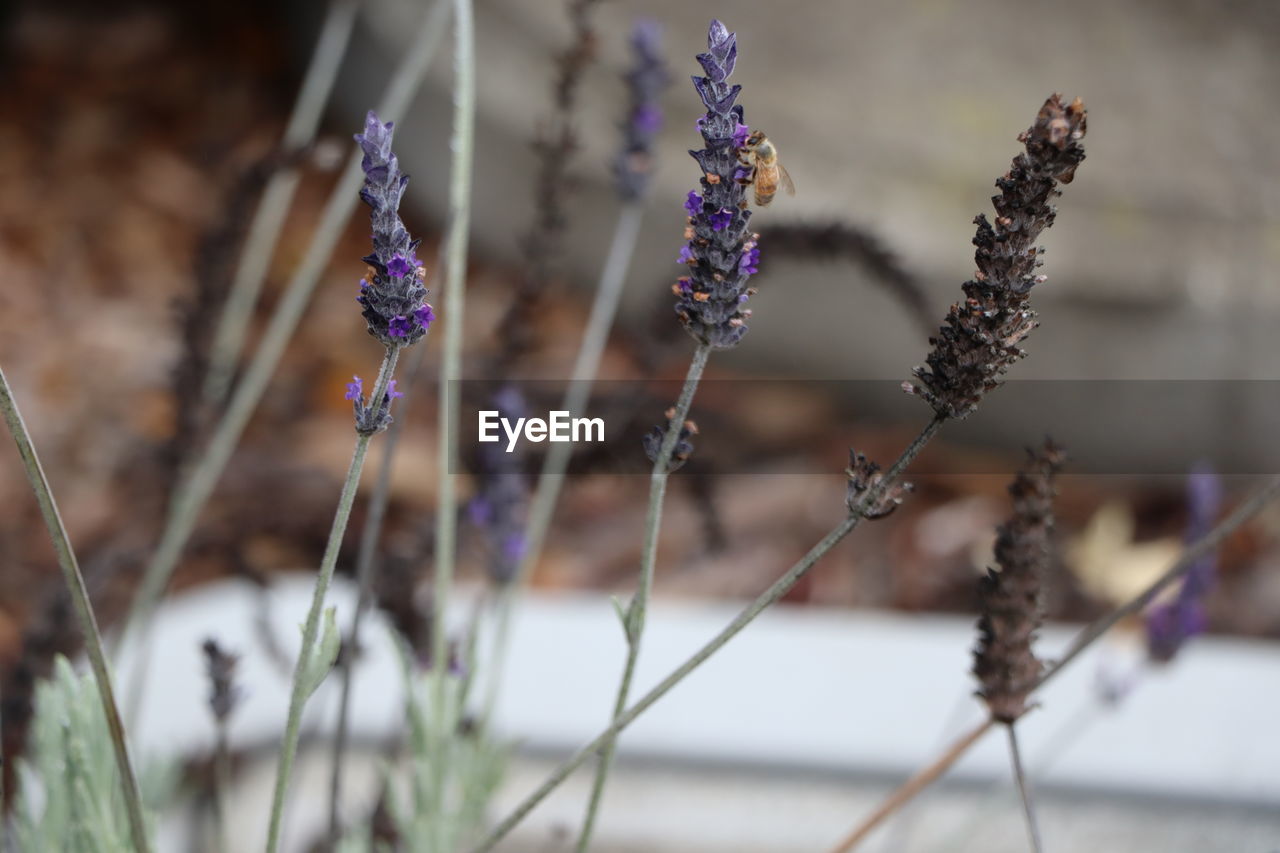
[
  {"x": 972, "y": 351},
  {"x": 720, "y": 256},
  {"x": 1004, "y": 662},
  {"x": 392, "y": 300}
]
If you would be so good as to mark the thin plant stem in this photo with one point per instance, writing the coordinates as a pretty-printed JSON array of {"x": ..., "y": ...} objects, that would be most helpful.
[
  {"x": 194, "y": 491},
  {"x": 771, "y": 596},
  {"x": 221, "y": 785},
  {"x": 311, "y": 628},
  {"x": 268, "y": 219},
  {"x": 636, "y": 611},
  {"x": 1024, "y": 791},
  {"x": 914, "y": 785},
  {"x": 550, "y": 480},
  {"x": 366, "y": 567},
  {"x": 84, "y": 612},
  {"x": 1091, "y": 633},
  {"x": 454, "y": 299}
]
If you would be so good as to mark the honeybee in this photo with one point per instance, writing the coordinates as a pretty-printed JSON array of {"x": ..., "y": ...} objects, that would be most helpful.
[{"x": 761, "y": 156}]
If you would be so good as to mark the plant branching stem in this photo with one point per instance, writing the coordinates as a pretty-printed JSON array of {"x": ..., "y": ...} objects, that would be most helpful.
[
  {"x": 311, "y": 628},
  {"x": 268, "y": 220},
  {"x": 636, "y": 611},
  {"x": 766, "y": 599},
  {"x": 84, "y": 611},
  {"x": 194, "y": 491},
  {"x": 1024, "y": 790},
  {"x": 1087, "y": 637},
  {"x": 454, "y": 297},
  {"x": 366, "y": 568}
]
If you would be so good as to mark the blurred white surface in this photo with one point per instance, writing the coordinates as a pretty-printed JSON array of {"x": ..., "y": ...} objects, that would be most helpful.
[{"x": 803, "y": 693}]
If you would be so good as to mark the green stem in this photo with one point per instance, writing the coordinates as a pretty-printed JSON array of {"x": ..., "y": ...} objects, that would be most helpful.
[
  {"x": 221, "y": 785},
  {"x": 268, "y": 220},
  {"x": 639, "y": 606},
  {"x": 195, "y": 489},
  {"x": 547, "y": 492},
  {"x": 454, "y": 299},
  {"x": 366, "y": 568},
  {"x": 84, "y": 611},
  {"x": 311, "y": 629},
  {"x": 767, "y": 598},
  {"x": 1024, "y": 791}
]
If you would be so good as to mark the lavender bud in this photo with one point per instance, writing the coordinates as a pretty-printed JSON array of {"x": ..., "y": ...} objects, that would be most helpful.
[
  {"x": 980, "y": 339},
  {"x": 392, "y": 293},
  {"x": 684, "y": 446},
  {"x": 866, "y": 476},
  {"x": 371, "y": 419},
  {"x": 220, "y": 665},
  {"x": 1171, "y": 624},
  {"x": 721, "y": 253},
  {"x": 1003, "y": 662},
  {"x": 645, "y": 81}
]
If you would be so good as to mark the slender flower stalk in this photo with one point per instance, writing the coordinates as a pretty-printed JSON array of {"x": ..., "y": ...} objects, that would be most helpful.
[
  {"x": 392, "y": 301},
  {"x": 268, "y": 220},
  {"x": 633, "y": 170},
  {"x": 1004, "y": 661},
  {"x": 1194, "y": 552},
  {"x": 224, "y": 695},
  {"x": 194, "y": 492},
  {"x": 1057, "y": 129},
  {"x": 455, "y": 263},
  {"x": 766, "y": 599},
  {"x": 720, "y": 255},
  {"x": 84, "y": 611}
]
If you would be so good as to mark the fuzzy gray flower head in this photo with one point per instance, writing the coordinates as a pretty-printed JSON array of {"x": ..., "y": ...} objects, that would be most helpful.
[
  {"x": 392, "y": 294},
  {"x": 721, "y": 252}
]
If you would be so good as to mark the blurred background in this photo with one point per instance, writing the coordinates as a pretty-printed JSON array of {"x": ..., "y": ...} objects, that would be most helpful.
[{"x": 138, "y": 138}]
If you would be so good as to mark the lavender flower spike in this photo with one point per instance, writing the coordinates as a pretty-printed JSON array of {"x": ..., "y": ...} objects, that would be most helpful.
[
  {"x": 710, "y": 299},
  {"x": 392, "y": 294},
  {"x": 1170, "y": 625},
  {"x": 645, "y": 81}
]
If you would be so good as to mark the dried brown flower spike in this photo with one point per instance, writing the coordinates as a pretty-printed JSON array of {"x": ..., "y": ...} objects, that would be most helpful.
[
  {"x": 1004, "y": 662},
  {"x": 866, "y": 495},
  {"x": 980, "y": 338}
]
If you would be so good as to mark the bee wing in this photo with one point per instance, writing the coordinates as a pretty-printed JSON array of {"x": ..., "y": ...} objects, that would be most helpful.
[{"x": 785, "y": 178}]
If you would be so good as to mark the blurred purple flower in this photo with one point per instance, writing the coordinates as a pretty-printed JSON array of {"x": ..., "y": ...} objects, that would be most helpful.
[
  {"x": 1171, "y": 624},
  {"x": 646, "y": 79}
]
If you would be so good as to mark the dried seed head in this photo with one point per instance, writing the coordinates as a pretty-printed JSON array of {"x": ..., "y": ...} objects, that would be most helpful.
[
  {"x": 866, "y": 495},
  {"x": 981, "y": 336},
  {"x": 1003, "y": 662}
]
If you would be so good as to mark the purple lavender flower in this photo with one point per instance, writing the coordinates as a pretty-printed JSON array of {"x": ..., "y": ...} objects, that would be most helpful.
[
  {"x": 1171, "y": 624},
  {"x": 645, "y": 81},
  {"x": 749, "y": 264},
  {"x": 498, "y": 509},
  {"x": 371, "y": 418},
  {"x": 392, "y": 293},
  {"x": 740, "y": 134},
  {"x": 711, "y": 310},
  {"x": 693, "y": 204},
  {"x": 399, "y": 327},
  {"x": 425, "y": 316}
]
